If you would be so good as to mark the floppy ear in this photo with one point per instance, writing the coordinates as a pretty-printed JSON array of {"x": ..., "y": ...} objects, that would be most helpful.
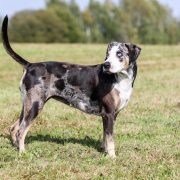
[{"x": 134, "y": 51}]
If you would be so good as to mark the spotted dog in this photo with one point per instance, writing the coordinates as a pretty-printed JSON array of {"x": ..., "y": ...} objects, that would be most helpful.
[{"x": 102, "y": 90}]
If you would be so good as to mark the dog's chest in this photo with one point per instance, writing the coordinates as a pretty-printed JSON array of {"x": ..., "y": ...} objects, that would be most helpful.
[{"x": 123, "y": 93}]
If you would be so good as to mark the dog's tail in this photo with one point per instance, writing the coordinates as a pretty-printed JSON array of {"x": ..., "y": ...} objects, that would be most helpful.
[{"x": 7, "y": 46}]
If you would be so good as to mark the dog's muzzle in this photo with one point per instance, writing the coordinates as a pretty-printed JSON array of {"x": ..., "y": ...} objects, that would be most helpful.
[{"x": 106, "y": 66}]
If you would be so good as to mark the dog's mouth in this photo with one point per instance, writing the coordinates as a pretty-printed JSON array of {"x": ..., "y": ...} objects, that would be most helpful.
[
  {"x": 107, "y": 72},
  {"x": 110, "y": 71}
]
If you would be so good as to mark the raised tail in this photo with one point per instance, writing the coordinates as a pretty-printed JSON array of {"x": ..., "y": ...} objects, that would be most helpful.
[{"x": 7, "y": 46}]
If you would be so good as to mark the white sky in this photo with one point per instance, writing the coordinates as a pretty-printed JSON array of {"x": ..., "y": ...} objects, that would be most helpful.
[{"x": 11, "y": 6}]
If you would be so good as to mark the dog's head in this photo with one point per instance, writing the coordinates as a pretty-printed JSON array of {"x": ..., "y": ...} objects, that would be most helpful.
[{"x": 120, "y": 56}]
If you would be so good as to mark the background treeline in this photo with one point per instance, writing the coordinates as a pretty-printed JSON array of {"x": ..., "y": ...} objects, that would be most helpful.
[{"x": 137, "y": 21}]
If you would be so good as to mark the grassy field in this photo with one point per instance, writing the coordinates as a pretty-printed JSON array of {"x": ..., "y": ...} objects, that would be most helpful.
[{"x": 64, "y": 143}]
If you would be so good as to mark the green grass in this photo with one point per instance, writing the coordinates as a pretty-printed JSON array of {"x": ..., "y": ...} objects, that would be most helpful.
[{"x": 64, "y": 143}]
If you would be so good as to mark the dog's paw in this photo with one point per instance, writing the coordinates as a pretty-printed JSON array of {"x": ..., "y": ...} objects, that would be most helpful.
[
  {"x": 111, "y": 153},
  {"x": 21, "y": 150}
]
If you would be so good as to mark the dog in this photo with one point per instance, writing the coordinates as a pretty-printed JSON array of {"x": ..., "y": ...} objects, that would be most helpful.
[{"x": 102, "y": 90}]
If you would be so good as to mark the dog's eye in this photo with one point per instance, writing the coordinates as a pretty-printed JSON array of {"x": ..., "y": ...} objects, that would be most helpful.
[
  {"x": 119, "y": 54},
  {"x": 107, "y": 55}
]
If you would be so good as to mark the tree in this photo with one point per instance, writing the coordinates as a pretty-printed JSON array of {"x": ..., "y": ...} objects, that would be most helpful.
[
  {"x": 88, "y": 22},
  {"x": 51, "y": 25},
  {"x": 69, "y": 14},
  {"x": 73, "y": 32},
  {"x": 103, "y": 21},
  {"x": 55, "y": 3},
  {"x": 150, "y": 20},
  {"x": 75, "y": 11},
  {"x": 37, "y": 26}
]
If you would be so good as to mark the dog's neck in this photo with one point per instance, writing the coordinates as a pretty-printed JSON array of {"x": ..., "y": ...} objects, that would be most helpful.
[
  {"x": 126, "y": 74},
  {"x": 124, "y": 85}
]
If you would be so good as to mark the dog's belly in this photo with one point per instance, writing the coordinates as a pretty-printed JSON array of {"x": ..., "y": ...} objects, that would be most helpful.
[
  {"x": 82, "y": 103},
  {"x": 90, "y": 107},
  {"x": 75, "y": 97}
]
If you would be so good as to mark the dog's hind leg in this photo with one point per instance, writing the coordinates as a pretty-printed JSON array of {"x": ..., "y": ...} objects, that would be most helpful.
[
  {"x": 14, "y": 128},
  {"x": 31, "y": 110}
]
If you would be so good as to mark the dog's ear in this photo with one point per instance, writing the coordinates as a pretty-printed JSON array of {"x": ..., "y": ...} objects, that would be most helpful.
[
  {"x": 110, "y": 46},
  {"x": 108, "y": 49},
  {"x": 134, "y": 51}
]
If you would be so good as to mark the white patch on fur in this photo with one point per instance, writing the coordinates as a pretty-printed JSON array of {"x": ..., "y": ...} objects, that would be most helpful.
[
  {"x": 65, "y": 65},
  {"x": 23, "y": 87},
  {"x": 41, "y": 104},
  {"x": 109, "y": 146},
  {"x": 20, "y": 84},
  {"x": 124, "y": 87},
  {"x": 23, "y": 92},
  {"x": 41, "y": 81},
  {"x": 82, "y": 106},
  {"x": 116, "y": 65}
]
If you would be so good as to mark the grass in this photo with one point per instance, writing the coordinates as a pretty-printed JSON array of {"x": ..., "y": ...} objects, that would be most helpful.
[{"x": 64, "y": 143}]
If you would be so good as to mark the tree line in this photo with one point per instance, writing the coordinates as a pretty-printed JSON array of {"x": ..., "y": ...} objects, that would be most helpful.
[{"x": 137, "y": 21}]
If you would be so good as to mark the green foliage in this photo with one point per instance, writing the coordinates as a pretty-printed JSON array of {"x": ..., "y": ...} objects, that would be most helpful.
[
  {"x": 55, "y": 24},
  {"x": 74, "y": 9},
  {"x": 37, "y": 26},
  {"x": 87, "y": 17},
  {"x": 153, "y": 22},
  {"x": 73, "y": 32},
  {"x": 55, "y": 3},
  {"x": 137, "y": 21},
  {"x": 103, "y": 16}
]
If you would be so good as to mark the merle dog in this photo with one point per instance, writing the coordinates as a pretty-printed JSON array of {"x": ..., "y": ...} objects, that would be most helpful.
[{"x": 102, "y": 90}]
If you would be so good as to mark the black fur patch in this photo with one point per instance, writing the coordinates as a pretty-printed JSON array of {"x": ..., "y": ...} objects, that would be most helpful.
[
  {"x": 33, "y": 73},
  {"x": 56, "y": 68},
  {"x": 59, "y": 84}
]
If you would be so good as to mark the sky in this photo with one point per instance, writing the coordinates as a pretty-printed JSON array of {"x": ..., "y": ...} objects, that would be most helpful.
[{"x": 12, "y": 6}]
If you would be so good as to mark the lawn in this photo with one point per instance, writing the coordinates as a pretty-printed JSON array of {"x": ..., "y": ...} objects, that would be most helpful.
[{"x": 64, "y": 143}]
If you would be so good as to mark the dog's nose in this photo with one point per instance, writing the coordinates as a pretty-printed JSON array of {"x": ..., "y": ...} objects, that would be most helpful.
[{"x": 107, "y": 65}]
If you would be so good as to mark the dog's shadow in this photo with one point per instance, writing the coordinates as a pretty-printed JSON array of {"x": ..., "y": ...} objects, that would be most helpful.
[{"x": 86, "y": 141}]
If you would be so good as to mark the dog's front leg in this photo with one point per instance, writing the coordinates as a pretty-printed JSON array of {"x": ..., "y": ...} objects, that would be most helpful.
[
  {"x": 103, "y": 142},
  {"x": 108, "y": 136}
]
